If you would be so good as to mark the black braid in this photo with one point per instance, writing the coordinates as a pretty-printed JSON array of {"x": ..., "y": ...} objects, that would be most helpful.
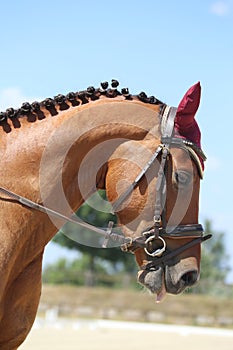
[{"x": 74, "y": 99}]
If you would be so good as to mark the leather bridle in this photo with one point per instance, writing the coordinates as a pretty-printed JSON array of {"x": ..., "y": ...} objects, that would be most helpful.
[
  {"x": 160, "y": 230},
  {"x": 155, "y": 235}
]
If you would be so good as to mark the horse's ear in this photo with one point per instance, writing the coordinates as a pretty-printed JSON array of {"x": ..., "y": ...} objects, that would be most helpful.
[
  {"x": 188, "y": 106},
  {"x": 185, "y": 123}
]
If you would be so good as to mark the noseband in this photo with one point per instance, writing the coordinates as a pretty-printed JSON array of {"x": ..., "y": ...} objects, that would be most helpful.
[{"x": 155, "y": 235}]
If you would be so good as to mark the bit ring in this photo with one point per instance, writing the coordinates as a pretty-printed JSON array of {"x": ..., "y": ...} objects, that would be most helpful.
[{"x": 158, "y": 252}]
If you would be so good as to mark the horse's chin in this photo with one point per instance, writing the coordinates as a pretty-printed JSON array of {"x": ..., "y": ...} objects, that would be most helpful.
[{"x": 154, "y": 282}]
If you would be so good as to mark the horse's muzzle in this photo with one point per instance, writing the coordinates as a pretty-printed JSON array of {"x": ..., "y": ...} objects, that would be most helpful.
[{"x": 172, "y": 278}]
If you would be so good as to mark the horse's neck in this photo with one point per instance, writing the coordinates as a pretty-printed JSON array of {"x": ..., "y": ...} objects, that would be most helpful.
[
  {"x": 56, "y": 159},
  {"x": 87, "y": 137}
]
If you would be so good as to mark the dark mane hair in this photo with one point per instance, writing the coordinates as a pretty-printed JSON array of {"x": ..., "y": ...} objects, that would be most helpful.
[{"x": 62, "y": 102}]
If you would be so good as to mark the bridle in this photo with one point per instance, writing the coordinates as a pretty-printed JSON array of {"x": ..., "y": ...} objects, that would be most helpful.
[{"x": 160, "y": 230}]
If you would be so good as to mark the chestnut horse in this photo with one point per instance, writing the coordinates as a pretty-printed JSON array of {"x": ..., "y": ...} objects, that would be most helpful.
[{"x": 56, "y": 153}]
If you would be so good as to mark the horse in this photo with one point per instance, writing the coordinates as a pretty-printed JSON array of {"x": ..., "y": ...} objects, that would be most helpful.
[{"x": 57, "y": 152}]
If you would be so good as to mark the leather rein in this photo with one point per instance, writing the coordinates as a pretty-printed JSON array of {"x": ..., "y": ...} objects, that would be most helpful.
[{"x": 160, "y": 230}]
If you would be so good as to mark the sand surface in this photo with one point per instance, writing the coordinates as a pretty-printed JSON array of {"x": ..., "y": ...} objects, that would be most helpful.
[{"x": 110, "y": 335}]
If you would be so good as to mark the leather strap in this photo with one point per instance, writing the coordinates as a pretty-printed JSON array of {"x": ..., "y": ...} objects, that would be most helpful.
[
  {"x": 180, "y": 231},
  {"x": 161, "y": 181},
  {"x": 161, "y": 260},
  {"x": 30, "y": 204},
  {"x": 170, "y": 123},
  {"x": 116, "y": 205}
]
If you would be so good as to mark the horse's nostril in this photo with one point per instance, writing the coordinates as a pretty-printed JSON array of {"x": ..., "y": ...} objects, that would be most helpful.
[{"x": 189, "y": 278}]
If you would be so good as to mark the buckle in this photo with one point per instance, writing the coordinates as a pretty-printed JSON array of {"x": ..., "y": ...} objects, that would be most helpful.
[
  {"x": 108, "y": 234},
  {"x": 126, "y": 247}
]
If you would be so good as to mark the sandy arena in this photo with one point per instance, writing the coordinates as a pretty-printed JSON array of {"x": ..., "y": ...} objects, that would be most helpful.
[{"x": 111, "y": 335}]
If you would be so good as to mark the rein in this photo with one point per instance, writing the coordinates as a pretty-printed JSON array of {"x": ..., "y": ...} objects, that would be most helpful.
[
  {"x": 160, "y": 230},
  {"x": 32, "y": 205}
]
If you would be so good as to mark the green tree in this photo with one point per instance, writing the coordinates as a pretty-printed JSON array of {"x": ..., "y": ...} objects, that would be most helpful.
[
  {"x": 74, "y": 272},
  {"x": 113, "y": 258},
  {"x": 214, "y": 263}
]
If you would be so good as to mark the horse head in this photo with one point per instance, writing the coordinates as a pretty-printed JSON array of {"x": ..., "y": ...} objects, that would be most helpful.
[{"x": 168, "y": 259}]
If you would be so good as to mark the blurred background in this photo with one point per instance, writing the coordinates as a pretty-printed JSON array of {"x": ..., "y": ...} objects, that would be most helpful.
[{"x": 161, "y": 47}]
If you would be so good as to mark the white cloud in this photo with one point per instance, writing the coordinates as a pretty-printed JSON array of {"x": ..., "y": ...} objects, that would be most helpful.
[
  {"x": 13, "y": 97},
  {"x": 220, "y": 8}
]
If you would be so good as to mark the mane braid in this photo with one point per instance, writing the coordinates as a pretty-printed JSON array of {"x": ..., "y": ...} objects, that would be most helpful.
[{"x": 61, "y": 102}]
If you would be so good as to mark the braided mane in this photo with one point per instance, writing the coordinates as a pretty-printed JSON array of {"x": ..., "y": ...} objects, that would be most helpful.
[{"x": 61, "y": 102}]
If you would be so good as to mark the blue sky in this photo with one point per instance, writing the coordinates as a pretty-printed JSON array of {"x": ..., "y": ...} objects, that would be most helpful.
[{"x": 161, "y": 47}]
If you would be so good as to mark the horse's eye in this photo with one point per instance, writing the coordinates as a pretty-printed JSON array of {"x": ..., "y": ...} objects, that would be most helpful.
[{"x": 183, "y": 178}]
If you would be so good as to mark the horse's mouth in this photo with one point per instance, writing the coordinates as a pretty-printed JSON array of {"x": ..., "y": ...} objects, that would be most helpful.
[{"x": 170, "y": 279}]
